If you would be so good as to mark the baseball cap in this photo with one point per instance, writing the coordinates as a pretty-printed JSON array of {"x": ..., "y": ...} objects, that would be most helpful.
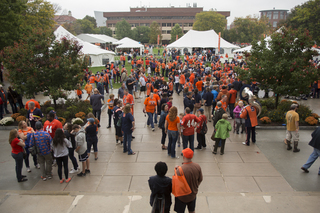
[
  {"x": 188, "y": 153},
  {"x": 155, "y": 90},
  {"x": 91, "y": 120},
  {"x": 201, "y": 110},
  {"x": 52, "y": 111}
]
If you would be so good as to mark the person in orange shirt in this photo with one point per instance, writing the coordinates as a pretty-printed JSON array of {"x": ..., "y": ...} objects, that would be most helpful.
[
  {"x": 249, "y": 113},
  {"x": 189, "y": 85},
  {"x": 149, "y": 87},
  {"x": 199, "y": 85},
  {"x": 172, "y": 128},
  {"x": 170, "y": 91},
  {"x": 88, "y": 88},
  {"x": 158, "y": 99},
  {"x": 128, "y": 99},
  {"x": 36, "y": 103},
  {"x": 232, "y": 100},
  {"x": 224, "y": 104},
  {"x": 150, "y": 107},
  {"x": 182, "y": 81},
  {"x": 110, "y": 108},
  {"x": 92, "y": 81},
  {"x": 79, "y": 92}
]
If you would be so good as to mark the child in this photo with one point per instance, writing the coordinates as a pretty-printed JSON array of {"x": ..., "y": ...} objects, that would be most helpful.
[
  {"x": 179, "y": 141},
  {"x": 92, "y": 139},
  {"x": 88, "y": 88},
  {"x": 239, "y": 121},
  {"x": 79, "y": 92},
  {"x": 81, "y": 149},
  {"x": 223, "y": 127}
]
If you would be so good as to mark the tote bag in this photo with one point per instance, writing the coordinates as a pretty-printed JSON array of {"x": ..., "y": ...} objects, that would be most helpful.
[{"x": 180, "y": 186}]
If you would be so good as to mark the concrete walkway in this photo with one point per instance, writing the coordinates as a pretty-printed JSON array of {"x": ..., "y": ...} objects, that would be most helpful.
[{"x": 263, "y": 177}]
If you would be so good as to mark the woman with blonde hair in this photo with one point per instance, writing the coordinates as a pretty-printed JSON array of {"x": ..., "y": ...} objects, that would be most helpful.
[
  {"x": 23, "y": 132},
  {"x": 127, "y": 127},
  {"x": 17, "y": 153},
  {"x": 172, "y": 126}
]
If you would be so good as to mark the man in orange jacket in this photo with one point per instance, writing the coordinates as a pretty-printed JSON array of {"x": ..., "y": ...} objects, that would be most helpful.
[{"x": 249, "y": 113}]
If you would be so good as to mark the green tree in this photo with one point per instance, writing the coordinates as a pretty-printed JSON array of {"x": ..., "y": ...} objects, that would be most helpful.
[
  {"x": 283, "y": 65},
  {"x": 38, "y": 63},
  {"x": 105, "y": 31},
  {"x": 86, "y": 26},
  {"x": 91, "y": 19},
  {"x": 176, "y": 30},
  {"x": 155, "y": 30},
  {"x": 306, "y": 16},
  {"x": 141, "y": 33},
  {"x": 39, "y": 14},
  {"x": 10, "y": 22},
  {"x": 230, "y": 35},
  {"x": 209, "y": 20},
  {"x": 123, "y": 29}
]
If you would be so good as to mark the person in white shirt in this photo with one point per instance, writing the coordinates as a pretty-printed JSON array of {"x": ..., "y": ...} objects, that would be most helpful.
[
  {"x": 142, "y": 82},
  {"x": 149, "y": 70}
]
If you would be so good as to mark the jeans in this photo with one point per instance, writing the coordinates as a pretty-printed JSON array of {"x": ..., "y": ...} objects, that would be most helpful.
[
  {"x": 110, "y": 83},
  {"x": 97, "y": 114},
  {"x": 73, "y": 158},
  {"x": 110, "y": 114},
  {"x": 155, "y": 117},
  {"x": 231, "y": 108},
  {"x": 164, "y": 135},
  {"x": 62, "y": 160},
  {"x": 177, "y": 87},
  {"x": 189, "y": 139},
  {"x": 131, "y": 92},
  {"x": 127, "y": 143},
  {"x": 150, "y": 119},
  {"x": 45, "y": 162},
  {"x": 19, "y": 163},
  {"x": 249, "y": 130},
  {"x": 312, "y": 158},
  {"x": 26, "y": 160},
  {"x": 13, "y": 107},
  {"x": 173, "y": 136}
]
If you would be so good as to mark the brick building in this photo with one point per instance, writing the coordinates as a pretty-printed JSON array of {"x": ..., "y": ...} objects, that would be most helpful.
[
  {"x": 166, "y": 17},
  {"x": 62, "y": 19},
  {"x": 274, "y": 16}
]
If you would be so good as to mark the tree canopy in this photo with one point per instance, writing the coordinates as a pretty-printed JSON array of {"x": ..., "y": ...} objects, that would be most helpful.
[
  {"x": 283, "y": 64},
  {"x": 306, "y": 16},
  {"x": 155, "y": 30},
  {"x": 209, "y": 20},
  {"x": 105, "y": 30},
  {"x": 176, "y": 30},
  {"x": 91, "y": 19},
  {"x": 141, "y": 33},
  {"x": 123, "y": 29},
  {"x": 38, "y": 63}
]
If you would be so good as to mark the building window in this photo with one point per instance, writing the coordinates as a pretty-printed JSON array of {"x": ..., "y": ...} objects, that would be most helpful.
[
  {"x": 185, "y": 24},
  {"x": 110, "y": 25},
  {"x": 269, "y": 14},
  {"x": 164, "y": 32},
  {"x": 281, "y": 14},
  {"x": 190, "y": 24},
  {"x": 185, "y": 31},
  {"x": 275, "y": 15},
  {"x": 168, "y": 24},
  {"x": 168, "y": 31},
  {"x": 274, "y": 24},
  {"x": 164, "y": 24},
  {"x": 147, "y": 25},
  {"x": 113, "y": 32},
  {"x": 264, "y": 13}
]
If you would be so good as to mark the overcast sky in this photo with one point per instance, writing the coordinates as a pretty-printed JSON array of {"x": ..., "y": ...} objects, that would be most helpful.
[{"x": 238, "y": 8}]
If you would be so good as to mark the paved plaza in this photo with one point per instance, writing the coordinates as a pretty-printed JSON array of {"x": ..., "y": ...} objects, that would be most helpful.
[{"x": 260, "y": 178}]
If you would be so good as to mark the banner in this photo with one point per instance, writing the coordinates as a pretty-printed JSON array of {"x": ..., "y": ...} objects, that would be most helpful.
[
  {"x": 177, "y": 37},
  {"x": 219, "y": 42},
  {"x": 158, "y": 40}
]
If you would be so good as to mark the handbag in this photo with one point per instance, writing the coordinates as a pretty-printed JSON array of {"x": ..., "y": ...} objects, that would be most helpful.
[
  {"x": 34, "y": 149},
  {"x": 180, "y": 186},
  {"x": 213, "y": 135},
  {"x": 24, "y": 153}
]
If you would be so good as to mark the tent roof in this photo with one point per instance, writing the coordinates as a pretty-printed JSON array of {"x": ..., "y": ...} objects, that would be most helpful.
[
  {"x": 96, "y": 38},
  {"x": 202, "y": 39},
  {"x": 128, "y": 43},
  {"x": 87, "y": 48}
]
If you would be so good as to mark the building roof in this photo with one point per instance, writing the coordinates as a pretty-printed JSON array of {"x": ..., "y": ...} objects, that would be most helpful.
[
  {"x": 61, "y": 19},
  {"x": 273, "y": 10}
]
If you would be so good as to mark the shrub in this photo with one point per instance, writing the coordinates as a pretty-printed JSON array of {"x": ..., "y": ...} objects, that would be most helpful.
[
  {"x": 315, "y": 115},
  {"x": 77, "y": 121},
  {"x": 71, "y": 102},
  {"x": 62, "y": 120},
  {"x": 49, "y": 109},
  {"x": 89, "y": 110},
  {"x": 47, "y": 103},
  {"x": 67, "y": 114},
  {"x": 311, "y": 120},
  {"x": 264, "y": 111},
  {"x": 284, "y": 106},
  {"x": 276, "y": 115},
  {"x": 23, "y": 112},
  {"x": 20, "y": 118},
  {"x": 60, "y": 112},
  {"x": 304, "y": 112},
  {"x": 265, "y": 120},
  {"x": 270, "y": 103},
  {"x": 15, "y": 115},
  {"x": 81, "y": 115}
]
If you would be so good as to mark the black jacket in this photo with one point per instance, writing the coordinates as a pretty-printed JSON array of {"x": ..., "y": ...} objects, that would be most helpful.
[
  {"x": 315, "y": 141},
  {"x": 218, "y": 115},
  {"x": 188, "y": 103},
  {"x": 161, "y": 185}
]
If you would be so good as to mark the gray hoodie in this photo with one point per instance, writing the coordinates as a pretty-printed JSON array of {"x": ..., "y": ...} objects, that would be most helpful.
[
  {"x": 61, "y": 151},
  {"x": 81, "y": 141}
]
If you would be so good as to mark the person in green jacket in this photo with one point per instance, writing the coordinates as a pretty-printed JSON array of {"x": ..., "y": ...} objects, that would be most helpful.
[{"x": 223, "y": 127}]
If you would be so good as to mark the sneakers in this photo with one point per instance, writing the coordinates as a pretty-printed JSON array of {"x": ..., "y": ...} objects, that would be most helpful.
[
  {"x": 49, "y": 177},
  {"x": 72, "y": 171},
  {"x": 28, "y": 169},
  {"x": 87, "y": 171},
  {"x": 305, "y": 170},
  {"x": 244, "y": 143},
  {"x": 81, "y": 174},
  {"x": 198, "y": 148},
  {"x": 68, "y": 180},
  {"x": 38, "y": 166},
  {"x": 62, "y": 180},
  {"x": 152, "y": 129},
  {"x": 148, "y": 125},
  {"x": 176, "y": 157},
  {"x": 43, "y": 178}
]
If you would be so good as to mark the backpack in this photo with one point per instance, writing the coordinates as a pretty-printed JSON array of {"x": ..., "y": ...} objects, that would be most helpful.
[
  {"x": 204, "y": 128},
  {"x": 119, "y": 121}
]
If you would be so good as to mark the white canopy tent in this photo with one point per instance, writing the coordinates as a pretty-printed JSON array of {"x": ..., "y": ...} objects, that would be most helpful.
[
  {"x": 97, "y": 38},
  {"x": 128, "y": 43},
  {"x": 202, "y": 39},
  {"x": 98, "y": 56}
]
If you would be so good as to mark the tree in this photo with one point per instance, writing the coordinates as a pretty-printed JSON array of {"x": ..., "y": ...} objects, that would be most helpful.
[
  {"x": 248, "y": 29},
  {"x": 123, "y": 29},
  {"x": 10, "y": 21},
  {"x": 141, "y": 33},
  {"x": 38, "y": 63},
  {"x": 155, "y": 30},
  {"x": 39, "y": 14},
  {"x": 86, "y": 26},
  {"x": 176, "y": 30},
  {"x": 209, "y": 20},
  {"x": 105, "y": 30},
  {"x": 284, "y": 64},
  {"x": 306, "y": 16},
  {"x": 91, "y": 19},
  {"x": 230, "y": 35}
]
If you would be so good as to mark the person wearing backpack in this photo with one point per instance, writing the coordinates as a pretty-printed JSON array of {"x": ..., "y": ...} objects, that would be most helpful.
[
  {"x": 164, "y": 113},
  {"x": 117, "y": 113},
  {"x": 202, "y": 129}
]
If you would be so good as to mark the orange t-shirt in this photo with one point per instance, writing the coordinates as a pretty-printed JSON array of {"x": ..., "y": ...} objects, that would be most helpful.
[
  {"x": 36, "y": 104},
  {"x": 149, "y": 87},
  {"x": 92, "y": 79},
  {"x": 110, "y": 102},
  {"x": 79, "y": 92},
  {"x": 25, "y": 132},
  {"x": 170, "y": 86},
  {"x": 151, "y": 104},
  {"x": 88, "y": 88},
  {"x": 199, "y": 86},
  {"x": 173, "y": 125},
  {"x": 182, "y": 79}
]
